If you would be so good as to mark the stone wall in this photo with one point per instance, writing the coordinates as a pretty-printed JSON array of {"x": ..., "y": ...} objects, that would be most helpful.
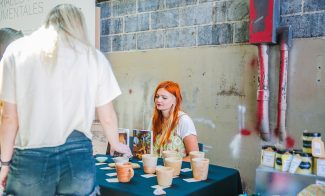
[{"x": 147, "y": 24}]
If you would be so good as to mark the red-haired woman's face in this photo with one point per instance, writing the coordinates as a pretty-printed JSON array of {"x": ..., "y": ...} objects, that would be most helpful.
[{"x": 164, "y": 100}]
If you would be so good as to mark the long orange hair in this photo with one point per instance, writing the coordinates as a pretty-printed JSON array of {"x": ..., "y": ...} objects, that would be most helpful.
[{"x": 157, "y": 120}]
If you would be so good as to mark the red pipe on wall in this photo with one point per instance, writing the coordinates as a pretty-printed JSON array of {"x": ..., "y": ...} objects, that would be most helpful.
[
  {"x": 285, "y": 42},
  {"x": 263, "y": 93}
]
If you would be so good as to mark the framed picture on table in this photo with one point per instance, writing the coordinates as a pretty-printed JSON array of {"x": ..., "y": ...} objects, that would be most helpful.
[
  {"x": 124, "y": 138},
  {"x": 142, "y": 143}
]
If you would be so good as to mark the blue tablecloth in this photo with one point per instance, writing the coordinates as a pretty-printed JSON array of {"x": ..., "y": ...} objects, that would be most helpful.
[{"x": 221, "y": 181}]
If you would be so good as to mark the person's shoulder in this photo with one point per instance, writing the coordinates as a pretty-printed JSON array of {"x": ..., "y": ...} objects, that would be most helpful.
[
  {"x": 101, "y": 57},
  {"x": 183, "y": 116},
  {"x": 18, "y": 44}
]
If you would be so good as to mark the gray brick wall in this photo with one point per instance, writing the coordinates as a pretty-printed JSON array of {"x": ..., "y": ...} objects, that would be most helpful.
[{"x": 148, "y": 24}]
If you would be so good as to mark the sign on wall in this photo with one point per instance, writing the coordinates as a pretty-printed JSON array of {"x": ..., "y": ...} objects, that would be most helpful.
[{"x": 28, "y": 15}]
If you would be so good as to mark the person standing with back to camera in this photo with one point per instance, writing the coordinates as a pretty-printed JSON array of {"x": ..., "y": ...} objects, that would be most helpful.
[
  {"x": 172, "y": 128},
  {"x": 53, "y": 82},
  {"x": 7, "y": 35}
]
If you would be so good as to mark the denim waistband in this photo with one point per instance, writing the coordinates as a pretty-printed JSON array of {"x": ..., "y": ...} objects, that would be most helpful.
[{"x": 76, "y": 136}]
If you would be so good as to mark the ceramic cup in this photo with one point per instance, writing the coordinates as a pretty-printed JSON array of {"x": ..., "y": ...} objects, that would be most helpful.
[
  {"x": 120, "y": 159},
  {"x": 149, "y": 163},
  {"x": 169, "y": 153},
  {"x": 101, "y": 159},
  {"x": 174, "y": 162},
  {"x": 164, "y": 176},
  {"x": 196, "y": 154},
  {"x": 124, "y": 172},
  {"x": 200, "y": 167}
]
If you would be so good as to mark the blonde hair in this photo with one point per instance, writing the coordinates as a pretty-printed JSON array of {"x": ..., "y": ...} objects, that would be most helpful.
[{"x": 64, "y": 22}]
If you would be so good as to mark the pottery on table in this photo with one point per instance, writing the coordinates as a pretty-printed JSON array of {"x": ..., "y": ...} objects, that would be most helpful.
[
  {"x": 124, "y": 172},
  {"x": 149, "y": 163}
]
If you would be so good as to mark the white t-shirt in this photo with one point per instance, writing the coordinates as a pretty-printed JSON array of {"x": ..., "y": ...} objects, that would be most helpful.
[
  {"x": 185, "y": 126},
  {"x": 53, "y": 101}
]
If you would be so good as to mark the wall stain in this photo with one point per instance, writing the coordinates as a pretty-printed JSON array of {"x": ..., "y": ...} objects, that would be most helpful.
[
  {"x": 232, "y": 91},
  {"x": 253, "y": 62}
]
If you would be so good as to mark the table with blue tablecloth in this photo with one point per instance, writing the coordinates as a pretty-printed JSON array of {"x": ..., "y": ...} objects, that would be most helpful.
[{"x": 221, "y": 181}]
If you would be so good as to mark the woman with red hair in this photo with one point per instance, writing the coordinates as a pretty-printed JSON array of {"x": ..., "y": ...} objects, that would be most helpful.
[{"x": 172, "y": 128}]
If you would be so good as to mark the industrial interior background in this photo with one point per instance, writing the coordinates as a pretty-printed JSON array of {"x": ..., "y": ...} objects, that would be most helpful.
[{"x": 203, "y": 45}]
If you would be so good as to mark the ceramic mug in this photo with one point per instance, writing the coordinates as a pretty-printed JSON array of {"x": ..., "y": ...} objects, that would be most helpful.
[
  {"x": 200, "y": 167},
  {"x": 149, "y": 163},
  {"x": 124, "y": 172},
  {"x": 164, "y": 176},
  {"x": 174, "y": 162}
]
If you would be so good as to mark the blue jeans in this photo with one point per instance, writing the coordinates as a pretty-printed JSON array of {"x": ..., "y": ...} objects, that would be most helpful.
[{"x": 68, "y": 169}]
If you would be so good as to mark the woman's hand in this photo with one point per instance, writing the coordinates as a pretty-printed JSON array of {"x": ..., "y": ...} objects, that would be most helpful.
[
  {"x": 121, "y": 148},
  {"x": 3, "y": 177}
]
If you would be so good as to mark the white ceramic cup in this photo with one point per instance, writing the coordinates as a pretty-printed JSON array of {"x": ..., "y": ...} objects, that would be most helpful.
[
  {"x": 164, "y": 176},
  {"x": 200, "y": 167},
  {"x": 196, "y": 154},
  {"x": 149, "y": 163},
  {"x": 169, "y": 153},
  {"x": 174, "y": 162}
]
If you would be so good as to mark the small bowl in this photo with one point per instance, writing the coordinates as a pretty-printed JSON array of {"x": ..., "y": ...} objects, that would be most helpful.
[
  {"x": 120, "y": 159},
  {"x": 101, "y": 159}
]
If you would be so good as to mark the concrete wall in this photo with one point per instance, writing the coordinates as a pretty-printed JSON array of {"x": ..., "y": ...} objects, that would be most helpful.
[
  {"x": 202, "y": 44},
  {"x": 214, "y": 81}
]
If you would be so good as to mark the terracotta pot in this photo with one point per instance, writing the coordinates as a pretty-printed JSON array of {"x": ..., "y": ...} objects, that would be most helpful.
[{"x": 124, "y": 172}]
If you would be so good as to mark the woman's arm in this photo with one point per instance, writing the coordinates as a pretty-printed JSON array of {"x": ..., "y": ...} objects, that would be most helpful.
[
  {"x": 108, "y": 120},
  {"x": 191, "y": 144},
  {"x": 8, "y": 132}
]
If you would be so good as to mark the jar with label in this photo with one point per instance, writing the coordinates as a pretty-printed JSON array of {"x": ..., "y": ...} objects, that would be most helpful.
[
  {"x": 286, "y": 161},
  {"x": 306, "y": 164},
  {"x": 268, "y": 155},
  {"x": 296, "y": 160},
  {"x": 278, "y": 159},
  {"x": 307, "y": 137}
]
